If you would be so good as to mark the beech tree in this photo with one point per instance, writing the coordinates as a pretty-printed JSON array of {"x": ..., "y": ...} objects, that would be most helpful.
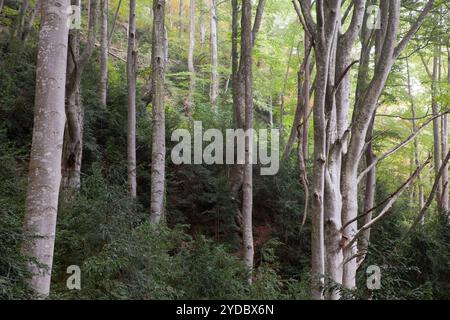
[
  {"x": 44, "y": 174},
  {"x": 131, "y": 80},
  {"x": 76, "y": 63},
  {"x": 339, "y": 142},
  {"x": 158, "y": 136}
]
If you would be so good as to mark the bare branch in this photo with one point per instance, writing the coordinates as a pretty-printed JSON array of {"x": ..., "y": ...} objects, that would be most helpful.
[
  {"x": 430, "y": 198},
  {"x": 399, "y": 146},
  {"x": 310, "y": 24},
  {"x": 258, "y": 19},
  {"x": 388, "y": 203},
  {"x": 415, "y": 27}
]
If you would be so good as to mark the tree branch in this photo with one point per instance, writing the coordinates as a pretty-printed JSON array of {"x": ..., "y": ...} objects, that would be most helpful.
[
  {"x": 430, "y": 198},
  {"x": 399, "y": 146},
  {"x": 415, "y": 27},
  {"x": 389, "y": 202}
]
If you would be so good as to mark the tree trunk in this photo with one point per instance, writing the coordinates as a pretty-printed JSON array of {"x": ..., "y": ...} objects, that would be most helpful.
[
  {"x": 283, "y": 93},
  {"x": 29, "y": 26},
  {"x": 131, "y": 78},
  {"x": 1, "y": 5},
  {"x": 20, "y": 19},
  {"x": 214, "y": 57},
  {"x": 180, "y": 21},
  {"x": 445, "y": 186},
  {"x": 44, "y": 174},
  {"x": 190, "y": 98},
  {"x": 416, "y": 140},
  {"x": 436, "y": 124},
  {"x": 73, "y": 141},
  {"x": 202, "y": 24},
  {"x": 114, "y": 23},
  {"x": 104, "y": 53},
  {"x": 364, "y": 110},
  {"x": 158, "y": 136},
  {"x": 247, "y": 201}
]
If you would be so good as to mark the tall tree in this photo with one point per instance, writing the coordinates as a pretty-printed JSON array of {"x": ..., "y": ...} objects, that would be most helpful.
[
  {"x": 104, "y": 52},
  {"x": 191, "y": 67},
  {"x": 214, "y": 56},
  {"x": 76, "y": 63},
  {"x": 158, "y": 136},
  {"x": 445, "y": 186},
  {"x": 416, "y": 140},
  {"x": 131, "y": 80},
  {"x": 44, "y": 174},
  {"x": 339, "y": 143},
  {"x": 436, "y": 122},
  {"x": 247, "y": 74}
]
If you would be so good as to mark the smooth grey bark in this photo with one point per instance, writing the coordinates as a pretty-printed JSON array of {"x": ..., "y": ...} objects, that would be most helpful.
[
  {"x": 131, "y": 79},
  {"x": 338, "y": 146},
  {"x": 364, "y": 110},
  {"x": 104, "y": 52},
  {"x": 44, "y": 175},
  {"x": 247, "y": 194},
  {"x": 214, "y": 56},
  {"x": 324, "y": 34},
  {"x": 238, "y": 88},
  {"x": 76, "y": 63},
  {"x": 2, "y": 2},
  {"x": 159, "y": 125}
]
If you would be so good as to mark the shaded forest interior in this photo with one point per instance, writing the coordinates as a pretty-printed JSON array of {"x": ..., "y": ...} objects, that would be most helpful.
[{"x": 355, "y": 97}]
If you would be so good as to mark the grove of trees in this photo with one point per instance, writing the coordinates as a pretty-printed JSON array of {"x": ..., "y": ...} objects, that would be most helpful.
[{"x": 354, "y": 93}]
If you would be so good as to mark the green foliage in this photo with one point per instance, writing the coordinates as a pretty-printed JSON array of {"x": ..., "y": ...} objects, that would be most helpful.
[{"x": 13, "y": 273}]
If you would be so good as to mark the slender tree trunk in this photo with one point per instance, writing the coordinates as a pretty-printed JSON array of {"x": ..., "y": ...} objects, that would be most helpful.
[
  {"x": 104, "y": 53},
  {"x": 190, "y": 98},
  {"x": 237, "y": 170},
  {"x": 416, "y": 140},
  {"x": 180, "y": 21},
  {"x": 111, "y": 33},
  {"x": 247, "y": 201},
  {"x": 44, "y": 174},
  {"x": 73, "y": 141},
  {"x": 283, "y": 93},
  {"x": 20, "y": 22},
  {"x": 202, "y": 24},
  {"x": 364, "y": 110},
  {"x": 1, "y": 5},
  {"x": 131, "y": 78},
  {"x": 214, "y": 57},
  {"x": 158, "y": 136},
  {"x": 306, "y": 90},
  {"x": 29, "y": 26},
  {"x": 445, "y": 186},
  {"x": 436, "y": 124}
]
